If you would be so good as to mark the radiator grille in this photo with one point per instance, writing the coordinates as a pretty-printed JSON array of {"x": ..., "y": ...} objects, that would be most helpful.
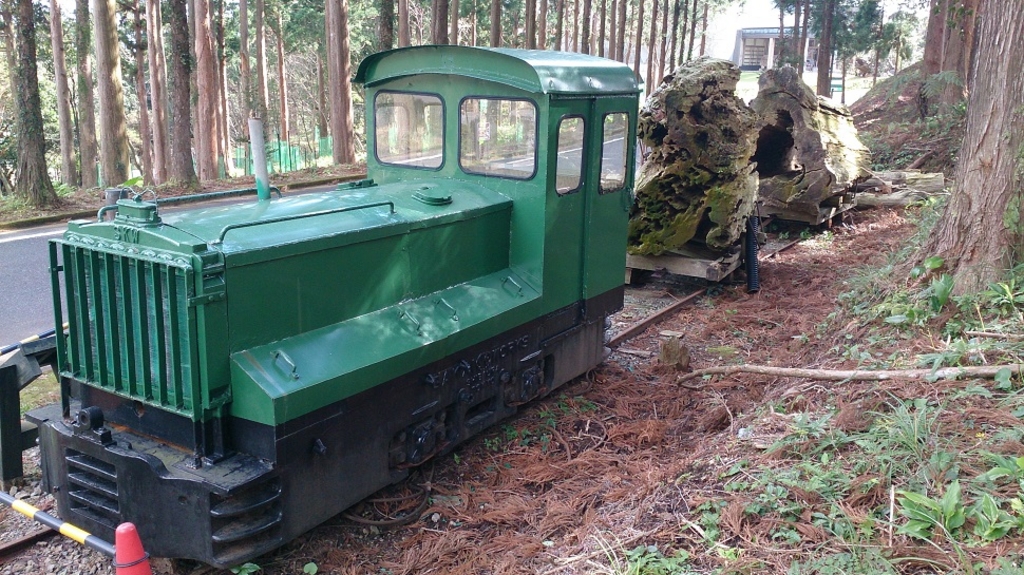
[
  {"x": 131, "y": 329},
  {"x": 92, "y": 488}
]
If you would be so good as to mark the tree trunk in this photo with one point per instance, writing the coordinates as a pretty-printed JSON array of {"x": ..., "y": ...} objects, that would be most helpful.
[
  {"x": 800, "y": 37},
  {"x": 404, "y": 39},
  {"x": 387, "y": 24},
  {"x": 321, "y": 96},
  {"x": 542, "y": 26},
  {"x": 957, "y": 55},
  {"x": 87, "y": 145},
  {"x": 585, "y": 26},
  {"x": 621, "y": 42},
  {"x": 575, "y": 26},
  {"x": 934, "y": 37},
  {"x": 113, "y": 126},
  {"x": 662, "y": 62},
  {"x": 158, "y": 89},
  {"x": 453, "y": 34},
  {"x": 639, "y": 37},
  {"x": 693, "y": 31},
  {"x": 282, "y": 79},
  {"x": 613, "y": 20},
  {"x": 530, "y": 24},
  {"x": 652, "y": 38},
  {"x": 981, "y": 233},
  {"x": 68, "y": 166},
  {"x": 245, "y": 70},
  {"x": 440, "y": 24},
  {"x": 704, "y": 30},
  {"x": 674, "y": 36},
  {"x": 145, "y": 133},
  {"x": 260, "y": 32},
  {"x": 495, "y": 23},
  {"x": 686, "y": 24},
  {"x": 340, "y": 84},
  {"x": 780, "y": 44},
  {"x": 226, "y": 151},
  {"x": 179, "y": 168},
  {"x": 828, "y": 12},
  {"x": 33, "y": 182},
  {"x": 602, "y": 28},
  {"x": 206, "y": 84},
  {"x": 559, "y": 43}
]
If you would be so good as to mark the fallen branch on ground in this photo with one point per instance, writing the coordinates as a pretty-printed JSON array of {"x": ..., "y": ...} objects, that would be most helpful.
[
  {"x": 985, "y": 371},
  {"x": 995, "y": 335}
]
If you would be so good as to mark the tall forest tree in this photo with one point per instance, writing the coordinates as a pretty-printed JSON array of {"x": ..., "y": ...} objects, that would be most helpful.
[
  {"x": 453, "y": 34},
  {"x": 208, "y": 112},
  {"x": 386, "y": 40},
  {"x": 827, "y": 19},
  {"x": 138, "y": 46},
  {"x": 284, "y": 125},
  {"x": 981, "y": 233},
  {"x": 339, "y": 72},
  {"x": 68, "y": 155},
  {"x": 32, "y": 181},
  {"x": 113, "y": 124},
  {"x": 542, "y": 26},
  {"x": 179, "y": 90},
  {"x": 260, "y": 33},
  {"x": 496, "y": 23},
  {"x": 404, "y": 35},
  {"x": 87, "y": 142},
  {"x": 158, "y": 88}
]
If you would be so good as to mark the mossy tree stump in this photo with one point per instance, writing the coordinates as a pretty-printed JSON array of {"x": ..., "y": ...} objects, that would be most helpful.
[{"x": 697, "y": 183}]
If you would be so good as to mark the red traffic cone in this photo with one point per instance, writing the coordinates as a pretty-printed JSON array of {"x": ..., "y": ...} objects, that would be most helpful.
[{"x": 129, "y": 557}]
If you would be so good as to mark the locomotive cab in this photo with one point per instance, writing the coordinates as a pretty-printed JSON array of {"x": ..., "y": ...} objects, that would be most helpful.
[{"x": 232, "y": 377}]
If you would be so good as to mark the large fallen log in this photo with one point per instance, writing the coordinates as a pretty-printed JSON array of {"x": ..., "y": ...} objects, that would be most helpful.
[
  {"x": 931, "y": 182},
  {"x": 697, "y": 184},
  {"x": 808, "y": 154},
  {"x": 898, "y": 198}
]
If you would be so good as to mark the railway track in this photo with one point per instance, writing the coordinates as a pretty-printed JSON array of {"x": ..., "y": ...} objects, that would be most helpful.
[
  {"x": 11, "y": 549},
  {"x": 641, "y": 325}
]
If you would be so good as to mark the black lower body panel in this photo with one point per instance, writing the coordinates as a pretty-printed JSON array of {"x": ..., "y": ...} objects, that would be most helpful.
[{"x": 275, "y": 483}]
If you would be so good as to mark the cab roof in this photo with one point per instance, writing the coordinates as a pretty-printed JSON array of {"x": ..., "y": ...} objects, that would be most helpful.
[{"x": 538, "y": 71}]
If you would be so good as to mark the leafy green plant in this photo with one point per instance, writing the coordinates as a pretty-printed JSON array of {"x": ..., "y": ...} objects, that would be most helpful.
[
  {"x": 990, "y": 521},
  {"x": 649, "y": 560},
  {"x": 925, "y": 514},
  {"x": 246, "y": 569},
  {"x": 1004, "y": 296},
  {"x": 310, "y": 568}
]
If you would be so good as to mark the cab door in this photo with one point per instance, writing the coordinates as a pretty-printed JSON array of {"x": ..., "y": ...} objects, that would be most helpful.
[
  {"x": 569, "y": 160},
  {"x": 609, "y": 197}
]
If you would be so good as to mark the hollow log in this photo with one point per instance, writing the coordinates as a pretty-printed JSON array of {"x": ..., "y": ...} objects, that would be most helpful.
[{"x": 808, "y": 154}]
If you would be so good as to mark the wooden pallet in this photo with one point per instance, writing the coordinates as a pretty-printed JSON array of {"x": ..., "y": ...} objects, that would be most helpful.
[
  {"x": 826, "y": 211},
  {"x": 696, "y": 263}
]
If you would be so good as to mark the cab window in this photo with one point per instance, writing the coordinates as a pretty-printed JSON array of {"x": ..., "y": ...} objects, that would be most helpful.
[
  {"x": 614, "y": 147},
  {"x": 498, "y": 137},
  {"x": 409, "y": 129},
  {"x": 569, "y": 168}
]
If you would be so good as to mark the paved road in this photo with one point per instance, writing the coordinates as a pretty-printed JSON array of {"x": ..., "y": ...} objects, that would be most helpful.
[
  {"x": 26, "y": 306},
  {"x": 25, "y": 302}
]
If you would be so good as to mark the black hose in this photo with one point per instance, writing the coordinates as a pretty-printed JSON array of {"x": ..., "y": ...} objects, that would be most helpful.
[{"x": 750, "y": 255}]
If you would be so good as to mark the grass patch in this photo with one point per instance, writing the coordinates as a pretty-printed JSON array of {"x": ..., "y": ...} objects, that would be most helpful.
[{"x": 40, "y": 392}]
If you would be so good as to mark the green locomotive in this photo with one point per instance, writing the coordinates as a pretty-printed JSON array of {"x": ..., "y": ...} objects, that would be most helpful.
[{"x": 234, "y": 376}]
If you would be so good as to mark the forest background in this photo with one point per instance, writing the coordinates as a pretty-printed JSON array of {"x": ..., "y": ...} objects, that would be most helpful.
[{"x": 71, "y": 85}]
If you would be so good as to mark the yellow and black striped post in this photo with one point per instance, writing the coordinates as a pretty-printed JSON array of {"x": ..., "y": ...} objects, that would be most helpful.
[{"x": 66, "y": 529}]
